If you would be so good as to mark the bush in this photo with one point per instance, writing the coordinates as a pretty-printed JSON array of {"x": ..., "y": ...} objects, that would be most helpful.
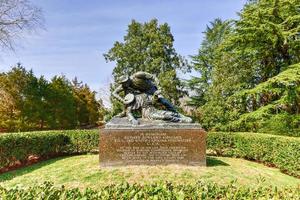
[
  {"x": 155, "y": 191},
  {"x": 17, "y": 147},
  {"x": 281, "y": 152},
  {"x": 82, "y": 141}
]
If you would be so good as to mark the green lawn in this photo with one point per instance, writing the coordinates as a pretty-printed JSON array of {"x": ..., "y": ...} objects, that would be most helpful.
[{"x": 84, "y": 171}]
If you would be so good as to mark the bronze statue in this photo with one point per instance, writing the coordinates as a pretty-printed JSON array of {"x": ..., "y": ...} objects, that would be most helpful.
[
  {"x": 145, "y": 103},
  {"x": 138, "y": 83},
  {"x": 142, "y": 94}
]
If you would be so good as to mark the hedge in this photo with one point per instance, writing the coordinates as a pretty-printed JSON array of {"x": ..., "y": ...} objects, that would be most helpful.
[
  {"x": 17, "y": 147},
  {"x": 155, "y": 191},
  {"x": 278, "y": 151},
  {"x": 281, "y": 152}
]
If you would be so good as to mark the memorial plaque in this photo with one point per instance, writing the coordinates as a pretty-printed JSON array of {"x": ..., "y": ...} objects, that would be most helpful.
[
  {"x": 153, "y": 146},
  {"x": 149, "y": 130}
]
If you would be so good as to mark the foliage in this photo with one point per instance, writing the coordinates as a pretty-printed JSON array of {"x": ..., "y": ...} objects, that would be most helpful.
[
  {"x": 204, "y": 62},
  {"x": 272, "y": 106},
  {"x": 16, "y": 83},
  {"x": 18, "y": 147},
  {"x": 31, "y": 103},
  {"x": 166, "y": 190},
  {"x": 149, "y": 47},
  {"x": 61, "y": 103},
  {"x": 88, "y": 108},
  {"x": 258, "y": 53},
  {"x": 281, "y": 152},
  {"x": 7, "y": 108},
  {"x": 82, "y": 141},
  {"x": 267, "y": 35}
]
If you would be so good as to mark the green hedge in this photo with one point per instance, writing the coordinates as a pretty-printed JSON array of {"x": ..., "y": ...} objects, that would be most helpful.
[
  {"x": 155, "y": 191},
  {"x": 17, "y": 147},
  {"x": 281, "y": 152},
  {"x": 82, "y": 141}
]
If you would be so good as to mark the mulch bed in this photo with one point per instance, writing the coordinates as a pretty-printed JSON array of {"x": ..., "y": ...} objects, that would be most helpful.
[{"x": 18, "y": 164}]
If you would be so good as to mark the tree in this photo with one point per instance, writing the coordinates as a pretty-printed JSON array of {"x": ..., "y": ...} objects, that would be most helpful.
[
  {"x": 30, "y": 103},
  {"x": 261, "y": 45},
  {"x": 267, "y": 37},
  {"x": 17, "y": 17},
  {"x": 88, "y": 109},
  {"x": 61, "y": 103},
  {"x": 36, "y": 108},
  {"x": 149, "y": 47},
  {"x": 8, "y": 110},
  {"x": 15, "y": 83},
  {"x": 205, "y": 61}
]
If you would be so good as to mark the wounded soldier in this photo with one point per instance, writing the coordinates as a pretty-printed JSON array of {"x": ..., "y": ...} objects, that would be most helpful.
[
  {"x": 138, "y": 83},
  {"x": 145, "y": 103}
]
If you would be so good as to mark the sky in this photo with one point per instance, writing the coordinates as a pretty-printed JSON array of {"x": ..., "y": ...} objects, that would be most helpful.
[{"x": 78, "y": 32}]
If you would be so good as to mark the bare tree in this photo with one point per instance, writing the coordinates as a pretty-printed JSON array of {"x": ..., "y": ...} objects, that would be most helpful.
[{"x": 17, "y": 17}]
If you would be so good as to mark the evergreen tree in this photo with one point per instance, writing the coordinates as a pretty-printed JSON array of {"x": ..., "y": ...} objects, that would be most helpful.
[
  {"x": 243, "y": 54},
  {"x": 87, "y": 107},
  {"x": 61, "y": 103},
  {"x": 267, "y": 37},
  {"x": 149, "y": 47},
  {"x": 15, "y": 84},
  {"x": 31, "y": 103},
  {"x": 205, "y": 61},
  {"x": 36, "y": 107}
]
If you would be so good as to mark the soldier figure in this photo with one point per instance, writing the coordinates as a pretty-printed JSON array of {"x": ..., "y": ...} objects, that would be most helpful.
[
  {"x": 138, "y": 83},
  {"x": 145, "y": 103}
]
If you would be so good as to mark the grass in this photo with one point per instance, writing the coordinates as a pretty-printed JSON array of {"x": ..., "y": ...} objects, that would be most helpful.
[{"x": 84, "y": 171}]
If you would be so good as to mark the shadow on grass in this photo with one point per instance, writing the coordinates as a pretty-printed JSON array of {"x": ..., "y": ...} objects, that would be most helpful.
[
  {"x": 19, "y": 172},
  {"x": 212, "y": 162}
]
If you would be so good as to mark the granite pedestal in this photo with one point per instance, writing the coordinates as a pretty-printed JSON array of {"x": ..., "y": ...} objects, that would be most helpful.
[{"x": 152, "y": 143}]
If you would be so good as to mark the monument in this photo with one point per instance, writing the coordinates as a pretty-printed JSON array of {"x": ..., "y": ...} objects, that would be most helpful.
[{"x": 158, "y": 136}]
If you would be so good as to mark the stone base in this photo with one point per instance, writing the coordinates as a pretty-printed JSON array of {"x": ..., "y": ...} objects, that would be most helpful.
[{"x": 155, "y": 146}]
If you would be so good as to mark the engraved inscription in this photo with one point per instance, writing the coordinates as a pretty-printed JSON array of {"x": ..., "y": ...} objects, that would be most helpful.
[
  {"x": 153, "y": 149},
  {"x": 153, "y": 138},
  {"x": 155, "y": 154}
]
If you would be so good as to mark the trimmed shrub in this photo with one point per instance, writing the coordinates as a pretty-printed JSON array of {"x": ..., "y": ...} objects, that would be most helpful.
[
  {"x": 82, "y": 141},
  {"x": 281, "y": 152},
  {"x": 17, "y": 147},
  {"x": 155, "y": 191}
]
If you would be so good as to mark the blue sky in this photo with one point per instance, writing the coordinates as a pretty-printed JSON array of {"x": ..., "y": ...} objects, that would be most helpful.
[{"x": 78, "y": 32}]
